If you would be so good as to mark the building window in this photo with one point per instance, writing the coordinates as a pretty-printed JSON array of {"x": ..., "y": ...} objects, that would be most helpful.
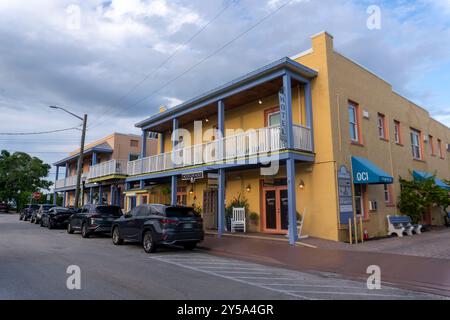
[
  {"x": 431, "y": 142},
  {"x": 134, "y": 143},
  {"x": 397, "y": 133},
  {"x": 182, "y": 196},
  {"x": 388, "y": 198},
  {"x": 133, "y": 157},
  {"x": 354, "y": 122},
  {"x": 416, "y": 144},
  {"x": 441, "y": 150},
  {"x": 272, "y": 117},
  {"x": 382, "y": 126}
]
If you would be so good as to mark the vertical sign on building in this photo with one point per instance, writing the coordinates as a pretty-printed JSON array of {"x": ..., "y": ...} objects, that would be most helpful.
[
  {"x": 283, "y": 119},
  {"x": 345, "y": 195}
]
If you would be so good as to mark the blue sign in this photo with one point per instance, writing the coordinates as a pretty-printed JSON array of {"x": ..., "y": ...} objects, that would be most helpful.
[
  {"x": 283, "y": 118},
  {"x": 345, "y": 195}
]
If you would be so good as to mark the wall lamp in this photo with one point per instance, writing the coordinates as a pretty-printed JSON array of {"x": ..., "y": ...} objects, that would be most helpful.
[
  {"x": 301, "y": 185},
  {"x": 249, "y": 188}
]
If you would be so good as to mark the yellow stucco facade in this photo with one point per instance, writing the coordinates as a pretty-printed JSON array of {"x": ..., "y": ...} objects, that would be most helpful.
[{"x": 340, "y": 82}]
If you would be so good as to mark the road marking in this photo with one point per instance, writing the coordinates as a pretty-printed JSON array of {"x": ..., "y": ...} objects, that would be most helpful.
[
  {"x": 234, "y": 279},
  {"x": 351, "y": 293}
]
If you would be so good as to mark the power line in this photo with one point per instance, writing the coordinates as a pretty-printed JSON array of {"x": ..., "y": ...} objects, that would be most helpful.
[
  {"x": 272, "y": 13},
  {"x": 147, "y": 76},
  {"x": 35, "y": 133}
]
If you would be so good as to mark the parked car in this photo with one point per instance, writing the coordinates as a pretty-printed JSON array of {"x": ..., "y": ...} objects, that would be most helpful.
[
  {"x": 28, "y": 211},
  {"x": 155, "y": 225},
  {"x": 4, "y": 207},
  {"x": 56, "y": 217},
  {"x": 94, "y": 219},
  {"x": 37, "y": 214}
]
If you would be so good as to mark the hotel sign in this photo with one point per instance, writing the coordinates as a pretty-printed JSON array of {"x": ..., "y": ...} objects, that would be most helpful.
[
  {"x": 283, "y": 118},
  {"x": 345, "y": 195},
  {"x": 192, "y": 176}
]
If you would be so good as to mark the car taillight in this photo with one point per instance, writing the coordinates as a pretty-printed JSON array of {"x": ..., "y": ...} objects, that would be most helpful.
[{"x": 169, "y": 222}]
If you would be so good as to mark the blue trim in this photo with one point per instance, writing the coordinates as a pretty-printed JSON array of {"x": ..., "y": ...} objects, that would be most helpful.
[
  {"x": 173, "y": 190},
  {"x": 221, "y": 127},
  {"x": 100, "y": 194},
  {"x": 420, "y": 175},
  {"x": 221, "y": 202},
  {"x": 91, "y": 195},
  {"x": 366, "y": 172},
  {"x": 261, "y": 75},
  {"x": 292, "y": 201},
  {"x": 94, "y": 158}
]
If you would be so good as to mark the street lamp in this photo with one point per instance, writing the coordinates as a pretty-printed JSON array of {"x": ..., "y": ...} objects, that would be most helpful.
[{"x": 80, "y": 157}]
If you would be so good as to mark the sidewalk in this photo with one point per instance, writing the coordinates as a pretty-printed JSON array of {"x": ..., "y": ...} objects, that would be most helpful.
[{"x": 416, "y": 273}]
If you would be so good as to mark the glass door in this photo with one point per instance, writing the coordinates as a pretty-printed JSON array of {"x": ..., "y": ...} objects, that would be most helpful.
[{"x": 275, "y": 210}]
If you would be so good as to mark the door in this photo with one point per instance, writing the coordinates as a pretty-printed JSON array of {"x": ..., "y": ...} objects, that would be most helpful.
[
  {"x": 275, "y": 210},
  {"x": 210, "y": 209}
]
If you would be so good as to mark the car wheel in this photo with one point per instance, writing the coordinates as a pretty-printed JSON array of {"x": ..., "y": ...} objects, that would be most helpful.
[
  {"x": 31, "y": 220},
  {"x": 20, "y": 218},
  {"x": 42, "y": 223},
  {"x": 190, "y": 246},
  {"x": 148, "y": 243},
  {"x": 69, "y": 229},
  {"x": 116, "y": 237},
  {"x": 49, "y": 225},
  {"x": 84, "y": 231},
  {"x": 36, "y": 221}
]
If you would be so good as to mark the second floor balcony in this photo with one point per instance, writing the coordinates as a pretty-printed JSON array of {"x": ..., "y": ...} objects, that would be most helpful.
[
  {"x": 251, "y": 144},
  {"x": 109, "y": 168}
]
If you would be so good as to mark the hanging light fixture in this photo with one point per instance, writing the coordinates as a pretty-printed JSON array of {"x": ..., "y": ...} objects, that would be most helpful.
[
  {"x": 249, "y": 188},
  {"x": 301, "y": 185}
]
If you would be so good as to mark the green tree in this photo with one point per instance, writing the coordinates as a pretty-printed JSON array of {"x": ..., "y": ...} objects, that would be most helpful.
[
  {"x": 20, "y": 176},
  {"x": 418, "y": 196}
]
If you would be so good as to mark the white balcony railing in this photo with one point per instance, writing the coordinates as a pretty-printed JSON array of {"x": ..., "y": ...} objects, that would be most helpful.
[
  {"x": 249, "y": 144},
  {"x": 69, "y": 181},
  {"x": 108, "y": 168}
]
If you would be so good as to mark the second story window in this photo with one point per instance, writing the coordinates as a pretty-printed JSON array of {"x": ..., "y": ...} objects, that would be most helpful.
[
  {"x": 431, "y": 142},
  {"x": 397, "y": 132},
  {"x": 272, "y": 117},
  {"x": 134, "y": 143},
  {"x": 416, "y": 144},
  {"x": 354, "y": 122},
  {"x": 441, "y": 150},
  {"x": 381, "y": 127}
]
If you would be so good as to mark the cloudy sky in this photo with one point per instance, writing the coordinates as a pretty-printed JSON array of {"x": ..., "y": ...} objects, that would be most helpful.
[{"x": 119, "y": 60}]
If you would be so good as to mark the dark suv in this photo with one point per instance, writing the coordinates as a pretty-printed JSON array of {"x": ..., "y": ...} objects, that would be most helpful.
[
  {"x": 28, "y": 211},
  {"x": 93, "y": 219},
  {"x": 36, "y": 215},
  {"x": 57, "y": 217},
  {"x": 4, "y": 207},
  {"x": 154, "y": 225}
]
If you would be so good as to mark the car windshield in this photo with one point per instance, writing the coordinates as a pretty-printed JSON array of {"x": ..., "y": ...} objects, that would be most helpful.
[
  {"x": 109, "y": 211},
  {"x": 173, "y": 212},
  {"x": 62, "y": 210}
]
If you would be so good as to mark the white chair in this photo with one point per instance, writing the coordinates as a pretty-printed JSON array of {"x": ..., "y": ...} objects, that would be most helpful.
[{"x": 238, "y": 220}]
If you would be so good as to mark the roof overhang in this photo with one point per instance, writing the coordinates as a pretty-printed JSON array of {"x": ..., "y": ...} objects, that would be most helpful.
[
  {"x": 86, "y": 152},
  {"x": 276, "y": 69}
]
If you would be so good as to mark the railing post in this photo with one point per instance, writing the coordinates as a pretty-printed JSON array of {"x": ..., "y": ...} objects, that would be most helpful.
[
  {"x": 292, "y": 202},
  {"x": 174, "y": 190},
  {"x": 221, "y": 130}
]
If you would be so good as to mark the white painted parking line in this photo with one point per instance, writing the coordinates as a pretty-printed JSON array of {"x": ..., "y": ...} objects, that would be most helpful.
[{"x": 292, "y": 283}]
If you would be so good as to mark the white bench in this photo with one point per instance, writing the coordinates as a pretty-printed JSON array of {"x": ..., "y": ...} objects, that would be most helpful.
[
  {"x": 238, "y": 220},
  {"x": 402, "y": 225}
]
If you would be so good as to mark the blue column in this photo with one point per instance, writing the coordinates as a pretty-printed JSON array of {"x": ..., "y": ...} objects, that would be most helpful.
[
  {"x": 292, "y": 203},
  {"x": 94, "y": 158},
  {"x": 287, "y": 90},
  {"x": 161, "y": 142},
  {"x": 112, "y": 198},
  {"x": 100, "y": 194},
  {"x": 143, "y": 154},
  {"x": 221, "y": 202},
  {"x": 309, "y": 112},
  {"x": 91, "y": 195},
  {"x": 55, "y": 194},
  {"x": 174, "y": 190},
  {"x": 64, "y": 198},
  {"x": 221, "y": 127},
  {"x": 66, "y": 174}
]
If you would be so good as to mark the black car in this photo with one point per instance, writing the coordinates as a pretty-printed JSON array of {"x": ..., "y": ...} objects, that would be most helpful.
[
  {"x": 56, "y": 217},
  {"x": 154, "y": 225},
  {"x": 4, "y": 207},
  {"x": 93, "y": 219},
  {"x": 28, "y": 211},
  {"x": 37, "y": 214}
]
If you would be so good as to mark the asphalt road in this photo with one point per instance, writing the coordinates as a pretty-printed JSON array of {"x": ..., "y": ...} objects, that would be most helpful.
[{"x": 34, "y": 261}]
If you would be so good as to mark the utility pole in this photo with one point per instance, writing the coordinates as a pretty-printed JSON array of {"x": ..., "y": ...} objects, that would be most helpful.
[
  {"x": 81, "y": 156},
  {"x": 80, "y": 162}
]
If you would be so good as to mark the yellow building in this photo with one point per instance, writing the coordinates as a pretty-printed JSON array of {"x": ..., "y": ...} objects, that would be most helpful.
[
  {"x": 104, "y": 169},
  {"x": 284, "y": 137}
]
